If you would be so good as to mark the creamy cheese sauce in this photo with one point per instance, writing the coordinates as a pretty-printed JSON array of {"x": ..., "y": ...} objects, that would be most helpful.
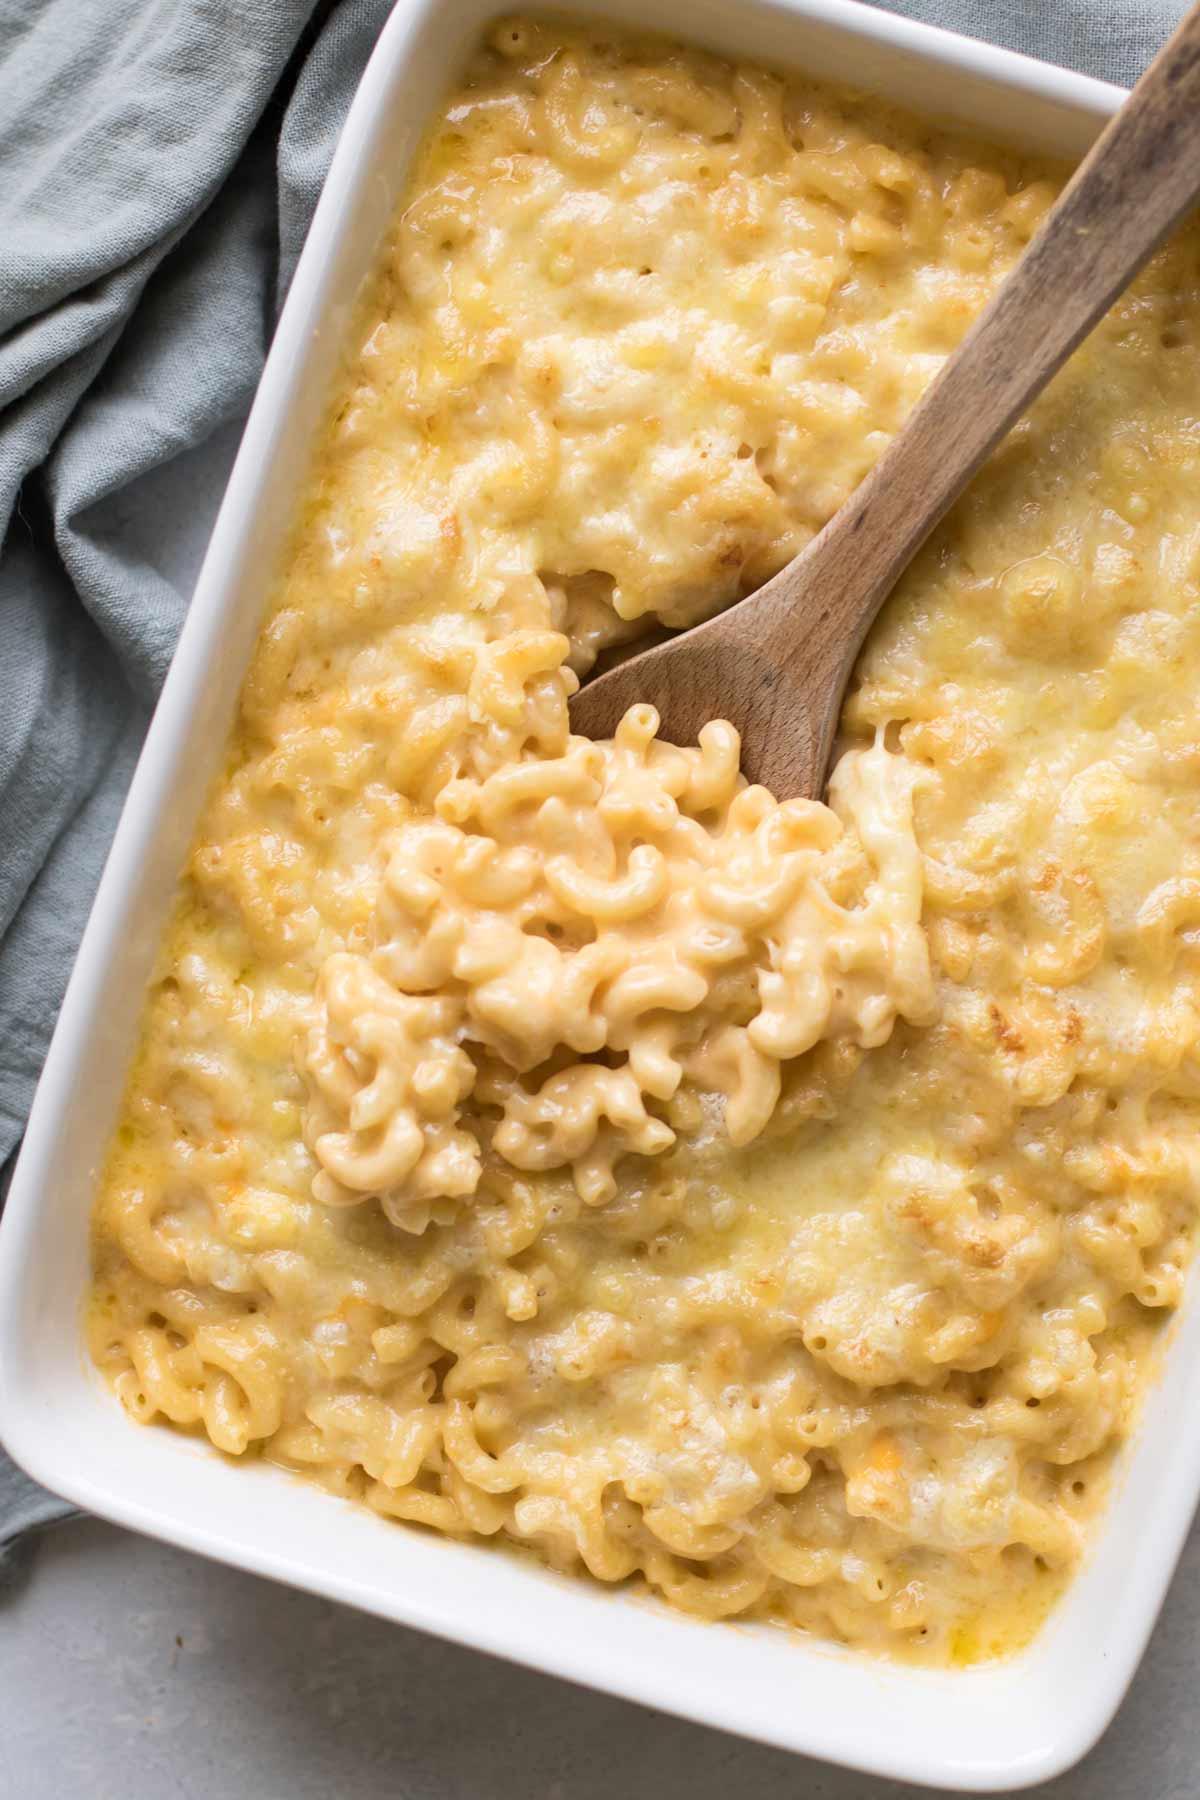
[{"x": 560, "y": 1144}]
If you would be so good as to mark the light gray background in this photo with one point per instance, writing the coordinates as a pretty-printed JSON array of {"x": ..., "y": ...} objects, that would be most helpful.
[{"x": 132, "y": 1672}]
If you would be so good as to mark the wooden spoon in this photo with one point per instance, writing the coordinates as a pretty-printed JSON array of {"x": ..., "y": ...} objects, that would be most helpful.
[{"x": 777, "y": 663}]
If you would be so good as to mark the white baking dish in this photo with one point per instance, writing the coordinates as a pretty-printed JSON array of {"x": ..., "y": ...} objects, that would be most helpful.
[{"x": 994, "y": 1727}]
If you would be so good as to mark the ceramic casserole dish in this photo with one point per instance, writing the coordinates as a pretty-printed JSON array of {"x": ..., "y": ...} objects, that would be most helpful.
[{"x": 995, "y": 1726}]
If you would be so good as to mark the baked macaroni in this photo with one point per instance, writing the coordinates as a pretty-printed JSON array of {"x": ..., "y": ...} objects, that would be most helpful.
[{"x": 564, "y": 1143}]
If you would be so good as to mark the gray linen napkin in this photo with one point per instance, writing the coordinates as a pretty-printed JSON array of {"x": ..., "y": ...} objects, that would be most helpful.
[{"x": 160, "y": 161}]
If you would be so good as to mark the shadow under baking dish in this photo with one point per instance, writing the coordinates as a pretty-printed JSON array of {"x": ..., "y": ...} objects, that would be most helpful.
[{"x": 995, "y": 1726}]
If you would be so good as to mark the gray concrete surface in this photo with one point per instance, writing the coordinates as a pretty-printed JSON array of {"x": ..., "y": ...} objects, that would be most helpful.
[
  {"x": 132, "y": 1672},
  {"x": 129, "y": 1671}
]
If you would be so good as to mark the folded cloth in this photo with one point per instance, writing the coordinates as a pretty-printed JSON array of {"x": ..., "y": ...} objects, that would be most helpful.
[{"x": 161, "y": 161}]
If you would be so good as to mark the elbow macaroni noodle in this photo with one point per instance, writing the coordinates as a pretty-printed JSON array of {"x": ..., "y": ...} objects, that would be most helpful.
[
  {"x": 579, "y": 905},
  {"x": 774, "y": 1205}
]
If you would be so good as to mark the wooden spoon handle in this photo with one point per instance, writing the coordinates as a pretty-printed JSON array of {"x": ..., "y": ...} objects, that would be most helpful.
[{"x": 1139, "y": 179}]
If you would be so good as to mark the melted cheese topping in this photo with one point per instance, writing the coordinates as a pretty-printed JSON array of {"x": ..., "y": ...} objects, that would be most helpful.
[{"x": 409, "y": 1192}]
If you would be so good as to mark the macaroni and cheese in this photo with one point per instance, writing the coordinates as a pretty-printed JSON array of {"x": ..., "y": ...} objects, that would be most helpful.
[{"x": 566, "y": 1144}]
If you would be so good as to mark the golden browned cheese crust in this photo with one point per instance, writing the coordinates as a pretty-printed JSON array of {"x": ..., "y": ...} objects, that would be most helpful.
[{"x": 561, "y": 1144}]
